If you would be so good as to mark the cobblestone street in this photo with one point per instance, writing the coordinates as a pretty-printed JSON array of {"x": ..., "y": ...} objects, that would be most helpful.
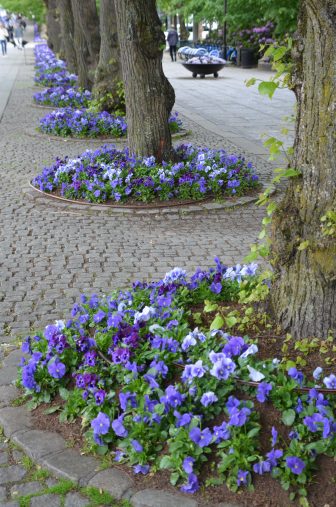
[{"x": 49, "y": 256}]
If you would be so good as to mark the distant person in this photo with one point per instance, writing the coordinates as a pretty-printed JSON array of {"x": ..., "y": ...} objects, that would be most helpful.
[
  {"x": 172, "y": 39},
  {"x": 3, "y": 39},
  {"x": 18, "y": 34}
]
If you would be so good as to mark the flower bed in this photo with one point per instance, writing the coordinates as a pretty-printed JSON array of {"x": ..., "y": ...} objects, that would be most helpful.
[
  {"x": 56, "y": 78},
  {"x": 69, "y": 122},
  {"x": 161, "y": 394},
  {"x": 108, "y": 174},
  {"x": 61, "y": 96},
  {"x": 82, "y": 123}
]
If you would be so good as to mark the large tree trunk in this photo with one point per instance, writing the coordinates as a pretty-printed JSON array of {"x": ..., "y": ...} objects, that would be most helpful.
[
  {"x": 304, "y": 292},
  {"x": 67, "y": 31},
  {"x": 149, "y": 95},
  {"x": 108, "y": 73},
  {"x": 184, "y": 33},
  {"x": 53, "y": 26},
  {"x": 87, "y": 40}
]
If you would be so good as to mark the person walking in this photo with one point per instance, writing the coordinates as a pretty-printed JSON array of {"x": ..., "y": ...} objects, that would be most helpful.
[
  {"x": 18, "y": 34},
  {"x": 3, "y": 39},
  {"x": 172, "y": 39}
]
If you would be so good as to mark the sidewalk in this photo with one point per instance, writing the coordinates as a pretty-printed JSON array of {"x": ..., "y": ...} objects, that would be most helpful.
[{"x": 226, "y": 107}]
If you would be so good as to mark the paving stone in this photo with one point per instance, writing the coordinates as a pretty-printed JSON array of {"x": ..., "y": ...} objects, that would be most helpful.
[
  {"x": 13, "y": 357},
  {"x": 13, "y": 419},
  {"x": 38, "y": 443},
  {"x": 158, "y": 498},
  {"x": 112, "y": 480},
  {"x": 8, "y": 394},
  {"x": 12, "y": 473},
  {"x": 46, "y": 501},
  {"x": 51, "y": 482},
  {"x": 8, "y": 375},
  {"x": 3, "y": 458},
  {"x": 71, "y": 465},
  {"x": 75, "y": 500},
  {"x": 26, "y": 489},
  {"x": 3, "y": 493},
  {"x": 10, "y": 504}
]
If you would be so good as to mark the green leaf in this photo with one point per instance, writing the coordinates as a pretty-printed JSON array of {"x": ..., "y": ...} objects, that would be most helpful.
[
  {"x": 253, "y": 432},
  {"x": 209, "y": 306},
  {"x": 166, "y": 462},
  {"x": 230, "y": 321},
  {"x": 251, "y": 82},
  {"x": 217, "y": 323},
  {"x": 267, "y": 88},
  {"x": 101, "y": 450},
  {"x": 288, "y": 417},
  {"x": 174, "y": 478},
  {"x": 52, "y": 410},
  {"x": 159, "y": 408},
  {"x": 64, "y": 393},
  {"x": 303, "y": 245}
]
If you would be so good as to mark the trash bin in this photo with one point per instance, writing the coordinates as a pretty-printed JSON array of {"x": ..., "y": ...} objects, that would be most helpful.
[{"x": 247, "y": 58}]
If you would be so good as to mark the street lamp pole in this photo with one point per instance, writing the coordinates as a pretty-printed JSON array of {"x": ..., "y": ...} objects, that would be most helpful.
[{"x": 225, "y": 29}]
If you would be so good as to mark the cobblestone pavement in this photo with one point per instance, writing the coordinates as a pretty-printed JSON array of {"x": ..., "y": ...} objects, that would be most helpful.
[
  {"x": 49, "y": 256},
  {"x": 25, "y": 484}
]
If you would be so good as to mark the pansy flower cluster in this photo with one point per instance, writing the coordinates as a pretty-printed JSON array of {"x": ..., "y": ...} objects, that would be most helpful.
[
  {"x": 108, "y": 174},
  {"x": 51, "y": 71},
  {"x": 60, "y": 96},
  {"x": 82, "y": 123},
  {"x": 161, "y": 394}
]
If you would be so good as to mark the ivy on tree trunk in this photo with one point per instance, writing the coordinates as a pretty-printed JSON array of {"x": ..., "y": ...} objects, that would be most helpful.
[
  {"x": 304, "y": 292},
  {"x": 149, "y": 95},
  {"x": 108, "y": 77}
]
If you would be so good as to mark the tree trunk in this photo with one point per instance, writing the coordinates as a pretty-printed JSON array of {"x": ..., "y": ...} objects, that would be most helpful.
[
  {"x": 67, "y": 31},
  {"x": 149, "y": 95},
  {"x": 108, "y": 73},
  {"x": 195, "y": 30},
  {"x": 53, "y": 26},
  {"x": 87, "y": 40},
  {"x": 304, "y": 292},
  {"x": 184, "y": 33}
]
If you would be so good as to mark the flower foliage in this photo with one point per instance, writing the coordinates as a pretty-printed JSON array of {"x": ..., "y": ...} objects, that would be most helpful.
[
  {"x": 60, "y": 96},
  {"x": 51, "y": 71},
  {"x": 110, "y": 174},
  {"x": 160, "y": 394},
  {"x": 82, "y": 123}
]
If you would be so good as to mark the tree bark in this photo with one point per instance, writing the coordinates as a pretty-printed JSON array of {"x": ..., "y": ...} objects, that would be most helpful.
[
  {"x": 53, "y": 26},
  {"x": 67, "y": 32},
  {"x": 108, "y": 73},
  {"x": 149, "y": 95},
  {"x": 304, "y": 292},
  {"x": 184, "y": 33},
  {"x": 87, "y": 40}
]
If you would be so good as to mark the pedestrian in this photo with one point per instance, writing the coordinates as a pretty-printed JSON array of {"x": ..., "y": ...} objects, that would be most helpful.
[
  {"x": 172, "y": 39},
  {"x": 18, "y": 34},
  {"x": 3, "y": 39}
]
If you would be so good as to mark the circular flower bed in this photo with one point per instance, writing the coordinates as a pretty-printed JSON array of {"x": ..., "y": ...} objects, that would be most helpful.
[
  {"x": 82, "y": 123},
  {"x": 69, "y": 122},
  {"x": 61, "y": 96},
  {"x": 163, "y": 394},
  {"x": 108, "y": 174},
  {"x": 56, "y": 78}
]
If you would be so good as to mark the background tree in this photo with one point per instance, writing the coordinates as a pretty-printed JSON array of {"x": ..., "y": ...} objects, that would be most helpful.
[
  {"x": 67, "y": 33},
  {"x": 304, "y": 256},
  {"x": 53, "y": 26},
  {"x": 149, "y": 95},
  {"x": 27, "y": 8},
  {"x": 108, "y": 78},
  {"x": 86, "y": 40}
]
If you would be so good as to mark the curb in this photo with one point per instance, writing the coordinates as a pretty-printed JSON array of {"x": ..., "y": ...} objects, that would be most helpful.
[
  {"x": 51, "y": 451},
  {"x": 109, "y": 209}
]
